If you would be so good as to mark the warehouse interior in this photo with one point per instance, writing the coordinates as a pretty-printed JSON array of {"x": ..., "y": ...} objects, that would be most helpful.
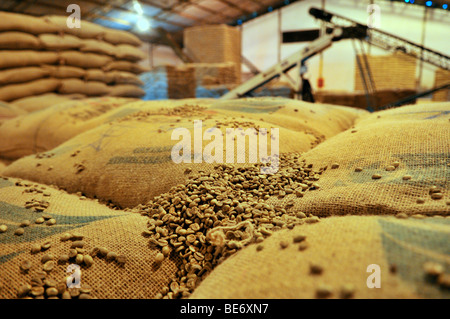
[{"x": 108, "y": 165}]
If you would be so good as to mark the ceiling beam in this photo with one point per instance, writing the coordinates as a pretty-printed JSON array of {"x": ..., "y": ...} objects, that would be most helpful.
[
  {"x": 172, "y": 10},
  {"x": 258, "y": 3},
  {"x": 201, "y": 7},
  {"x": 234, "y": 6},
  {"x": 119, "y": 8}
]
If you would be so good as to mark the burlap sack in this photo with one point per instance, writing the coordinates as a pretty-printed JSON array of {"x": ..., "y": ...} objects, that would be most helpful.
[
  {"x": 126, "y": 90},
  {"x": 3, "y": 164},
  {"x": 15, "y": 59},
  {"x": 20, "y": 75},
  {"x": 10, "y": 21},
  {"x": 88, "y": 30},
  {"x": 344, "y": 247},
  {"x": 18, "y": 40},
  {"x": 128, "y": 161},
  {"x": 84, "y": 60},
  {"x": 416, "y": 138},
  {"x": 60, "y": 41},
  {"x": 40, "y": 102},
  {"x": 121, "y": 37},
  {"x": 117, "y": 231},
  {"x": 36, "y": 87},
  {"x": 99, "y": 75},
  {"x": 9, "y": 111},
  {"x": 88, "y": 88},
  {"x": 47, "y": 128},
  {"x": 321, "y": 120},
  {"x": 96, "y": 46},
  {"x": 121, "y": 77},
  {"x": 126, "y": 66},
  {"x": 129, "y": 52},
  {"x": 64, "y": 71}
]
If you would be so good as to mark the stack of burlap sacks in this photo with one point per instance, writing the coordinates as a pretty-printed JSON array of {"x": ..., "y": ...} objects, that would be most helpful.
[
  {"x": 441, "y": 77},
  {"x": 43, "y": 61},
  {"x": 216, "y": 50},
  {"x": 118, "y": 151}
]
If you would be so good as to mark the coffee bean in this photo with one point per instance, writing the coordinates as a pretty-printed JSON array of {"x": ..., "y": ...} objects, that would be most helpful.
[
  {"x": 94, "y": 251},
  {"x": 393, "y": 268},
  {"x": 323, "y": 291},
  {"x": 103, "y": 251},
  {"x": 376, "y": 176},
  {"x": 74, "y": 292},
  {"x": 72, "y": 253},
  {"x": 25, "y": 265},
  {"x": 334, "y": 165},
  {"x": 24, "y": 290},
  {"x": 51, "y": 222},
  {"x": 302, "y": 246},
  {"x": 433, "y": 269},
  {"x": 19, "y": 232},
  {"x": 315, "y": 269},
  {"x": 444, "y": 280},
  {"x": 39, "y": 220},
  {"x": 284, "y": 244},
  {"x": 66, "y": 295},
  {"x": 63, "y": 258},
  {"x": 301, "y": 215},
  {"x": 159, "y": 258},
  {"x": 84, "y": 296},
  {"x": 3, "y": 228},
  {"x": 77, "y": 244},
  {"x": 37, "y": 291},
  {"x": 390, "y": 168},
  {"x": 85, "y": 289},
  {"x": 25, "y": 223},
  {"x": 347, "y": 291},
  {"x": 111, "y": 256},
  {"x": 35, "y": 248},
  {"x": 48, "y": 266},
  {"x": 420, "y": 201},
  {"x": 79, "y": 259},
  {"x": 406, "y": 177},
  {"x": 40, "y": 275},
  {"x": 77, "y": 236},
  {"x": 401, "y": 216},
  {"x": 46, "y": 216},
  {"x": 299, "y": 238},
  {"x": 358, "y": 169},
  {"x": 46, "y": 245},
  {"x": 47, "y": 258},
  {"x": 51, "y": 292},
  {"x": 312, "y": 220},
  {"x": 437, "y": 195},
  {"x": 65, "y": 237},
  {"x": 165, "y": 250},
  {"x": 88, "y": 261},
  {"x": 49, "y": 282}
]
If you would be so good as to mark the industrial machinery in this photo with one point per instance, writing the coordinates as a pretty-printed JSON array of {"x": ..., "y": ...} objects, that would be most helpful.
[{"x": 338, "y": 28}]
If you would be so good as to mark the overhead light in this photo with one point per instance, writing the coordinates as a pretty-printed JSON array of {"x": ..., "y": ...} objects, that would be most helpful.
[
  {"x": 137, "y": 6},
  {"x": 143, "y": 24},
  {"x": 429, "y": 3}
]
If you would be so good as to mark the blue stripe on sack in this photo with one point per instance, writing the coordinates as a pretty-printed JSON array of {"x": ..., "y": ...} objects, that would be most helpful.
[{"x": 409, "y": 247}]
